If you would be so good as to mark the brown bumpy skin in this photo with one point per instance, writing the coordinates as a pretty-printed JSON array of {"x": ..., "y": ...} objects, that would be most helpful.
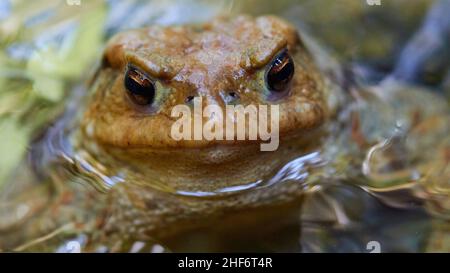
[{"x": 210, "y": 60}]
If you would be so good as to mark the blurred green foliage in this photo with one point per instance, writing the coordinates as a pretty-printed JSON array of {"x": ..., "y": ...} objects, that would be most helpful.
[{"x": 32, "y": 89}]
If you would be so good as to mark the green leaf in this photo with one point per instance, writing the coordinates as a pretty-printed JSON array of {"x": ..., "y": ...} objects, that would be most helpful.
[{"x": 51, "y": 67}]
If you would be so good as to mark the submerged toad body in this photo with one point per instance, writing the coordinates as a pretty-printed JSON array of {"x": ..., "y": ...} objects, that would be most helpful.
[{"x": 170, "y": 185}]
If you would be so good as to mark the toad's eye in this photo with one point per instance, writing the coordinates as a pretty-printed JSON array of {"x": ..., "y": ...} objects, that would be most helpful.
[
  {"x": 280, "y": 72},
  {"x": 140, "y": 87}
]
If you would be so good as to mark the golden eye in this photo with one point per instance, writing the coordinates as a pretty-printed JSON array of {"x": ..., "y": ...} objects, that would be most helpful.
[
  {"x": 140, "y": 87},
  {"x": 280, "y": 72}
]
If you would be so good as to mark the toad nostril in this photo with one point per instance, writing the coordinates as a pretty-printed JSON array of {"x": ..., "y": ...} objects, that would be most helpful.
[
  {"x": 233, "y": 94},
  {"x": 229, "y": 97},
  {"x": 189, "y": 99}
]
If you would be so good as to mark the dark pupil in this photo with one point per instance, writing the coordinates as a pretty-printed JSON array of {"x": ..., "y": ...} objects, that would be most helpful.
[
  {"x": 280, "y": 72},
  {"x": 140, "y": 88}
]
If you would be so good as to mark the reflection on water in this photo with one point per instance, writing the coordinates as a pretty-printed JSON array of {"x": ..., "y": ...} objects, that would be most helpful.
[{"x": 381, "y": 174}]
